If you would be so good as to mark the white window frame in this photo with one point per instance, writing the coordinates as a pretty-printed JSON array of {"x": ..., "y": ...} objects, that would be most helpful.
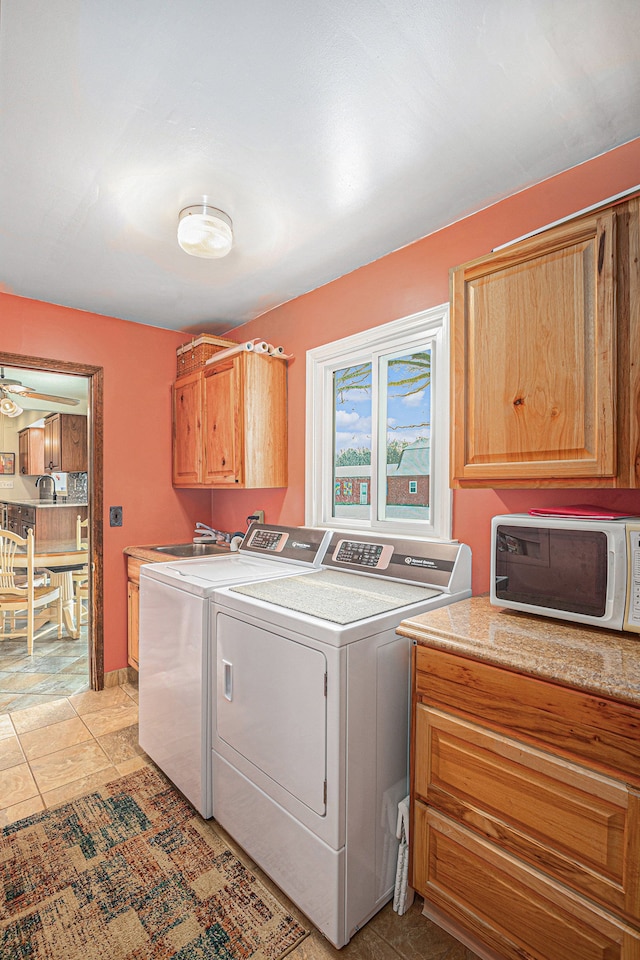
[{"x": 429, "y": 326}]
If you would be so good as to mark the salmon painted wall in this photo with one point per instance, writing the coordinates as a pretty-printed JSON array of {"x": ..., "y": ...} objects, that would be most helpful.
[
  {"x": 405, "y": 282},
  {"x": 139, "y": 368}
]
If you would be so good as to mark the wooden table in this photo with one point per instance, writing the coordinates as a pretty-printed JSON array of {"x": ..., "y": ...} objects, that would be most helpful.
[{"x": 62, "y": 559}]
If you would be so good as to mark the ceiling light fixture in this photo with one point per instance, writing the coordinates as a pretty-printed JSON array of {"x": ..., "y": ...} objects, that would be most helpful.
[
  {"x": 10, "y": 408},
  {"x": 204, "y": 231}
]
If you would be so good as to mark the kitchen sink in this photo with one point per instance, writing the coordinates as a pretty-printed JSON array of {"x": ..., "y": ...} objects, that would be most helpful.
[{"x": 192, "y": 549}]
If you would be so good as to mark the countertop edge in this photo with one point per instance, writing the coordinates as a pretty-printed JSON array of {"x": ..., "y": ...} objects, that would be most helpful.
[{"x": 599, "y": 662}]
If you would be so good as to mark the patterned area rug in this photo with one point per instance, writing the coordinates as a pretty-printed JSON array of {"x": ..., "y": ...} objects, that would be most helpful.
[{"x": 131, "y": 872}]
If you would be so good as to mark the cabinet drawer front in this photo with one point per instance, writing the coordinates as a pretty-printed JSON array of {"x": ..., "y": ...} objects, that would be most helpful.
[
  {"x": 573, "y": 824},
  {"x": 582, "y": 727},
  {"x": 506, "y": 905}
]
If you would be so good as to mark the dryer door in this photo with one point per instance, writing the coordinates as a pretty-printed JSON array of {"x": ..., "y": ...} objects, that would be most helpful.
[{"x": 271, "y": 706}]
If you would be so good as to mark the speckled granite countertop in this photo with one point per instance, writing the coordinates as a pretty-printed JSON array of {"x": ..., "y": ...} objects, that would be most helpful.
[{"x": 603, "y": 662}]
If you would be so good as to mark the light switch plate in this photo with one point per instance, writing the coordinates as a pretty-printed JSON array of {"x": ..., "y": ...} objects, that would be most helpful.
[{"x": 6, "y": 484}]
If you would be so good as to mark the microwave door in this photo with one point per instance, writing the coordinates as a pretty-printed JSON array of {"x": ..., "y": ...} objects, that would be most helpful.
[{"x": 556, "y": 569}]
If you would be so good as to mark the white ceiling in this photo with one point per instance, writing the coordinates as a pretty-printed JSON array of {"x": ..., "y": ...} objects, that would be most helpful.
[{"x": 332, "y": 132}]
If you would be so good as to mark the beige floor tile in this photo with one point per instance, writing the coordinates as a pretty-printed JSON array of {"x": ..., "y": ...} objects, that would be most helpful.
[
  {"x": 413, "y": 936},
  {"x": 65, "y": 766},
  {"x": 78, "y": 788},
  {"x": 34, "y": 717},
  {"x": 16, "y": 784},
  {"x": 10, "y": 753},
  {"x": 94, "y": 700},
  {"x": 57, "y": 736},
  {"x": 365, "y": 945},
  {"x": 7, "y": 728},
  {"x": 131, "y": 689},
  {"x": 20, "y": 810},
  {"x": 112, "y": 718},
  {"x": 130, "y": 766},
  {"x": 120, "y": 745}
]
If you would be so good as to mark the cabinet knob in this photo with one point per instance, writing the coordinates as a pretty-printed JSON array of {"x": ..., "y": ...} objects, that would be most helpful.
[{"x": 223, "y": 461}]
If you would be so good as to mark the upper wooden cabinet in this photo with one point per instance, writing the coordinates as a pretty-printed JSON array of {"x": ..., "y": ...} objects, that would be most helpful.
[
  {"x": 65, "y": 443},
  {"x": 541, "y": 375},
  {"x": 31, "y": 451},
  {"x": 230, "y": 424}
]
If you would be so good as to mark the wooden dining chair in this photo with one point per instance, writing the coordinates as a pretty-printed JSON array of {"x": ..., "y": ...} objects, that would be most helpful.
[
  {"x": 22, "y": 591},
  {"x": 81, "y": 577}
]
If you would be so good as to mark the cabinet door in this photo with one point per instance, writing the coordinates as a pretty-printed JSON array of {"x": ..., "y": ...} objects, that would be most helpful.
[
  {"x": 52, "y": 443},
  {"x": 31, "y": 451},
  {"x": 533, "y": 359},
  {"x": 187, "y": 431},
  {"x": 577, "y": 826},
  {"x": 223, "y": 424},
  {"x": 133, "y": 604},
  {"x": 504, "y": 904}
]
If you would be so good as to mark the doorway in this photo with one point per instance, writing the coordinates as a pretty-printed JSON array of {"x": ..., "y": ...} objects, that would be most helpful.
[{"x": 92, "y": 379}]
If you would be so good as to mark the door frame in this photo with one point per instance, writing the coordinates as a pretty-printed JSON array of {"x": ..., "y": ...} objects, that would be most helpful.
[{"x": 95, "y": 376}]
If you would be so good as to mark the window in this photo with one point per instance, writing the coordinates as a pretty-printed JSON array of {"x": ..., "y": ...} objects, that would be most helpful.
[{"x": 377, "y": 429}]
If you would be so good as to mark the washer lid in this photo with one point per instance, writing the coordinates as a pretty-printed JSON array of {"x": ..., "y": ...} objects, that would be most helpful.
[
  {"x": 335, "y": 596},
  {"x": 202, "y": 576}
]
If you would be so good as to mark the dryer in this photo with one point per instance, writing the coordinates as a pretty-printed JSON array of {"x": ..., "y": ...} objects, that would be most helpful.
[{"x": 311, "y": 718}]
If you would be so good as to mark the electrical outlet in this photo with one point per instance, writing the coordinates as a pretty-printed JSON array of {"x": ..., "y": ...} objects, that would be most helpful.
[
  {"x": 259, "y": 515},
  {"x": 115, "y": 516},
  {"x": 6, "y": 484}
]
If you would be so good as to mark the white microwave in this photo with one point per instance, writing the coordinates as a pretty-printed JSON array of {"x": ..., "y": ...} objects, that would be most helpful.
[{"x": 583, "y": 570}]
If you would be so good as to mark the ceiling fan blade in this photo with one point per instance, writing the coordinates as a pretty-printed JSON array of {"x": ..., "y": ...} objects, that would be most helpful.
[{"x": 45, "y": 396}]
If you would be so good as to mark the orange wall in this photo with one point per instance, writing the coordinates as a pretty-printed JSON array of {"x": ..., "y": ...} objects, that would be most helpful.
[
  {"x": 412, "y": 279},
  {"x": 139, "y": 367}
]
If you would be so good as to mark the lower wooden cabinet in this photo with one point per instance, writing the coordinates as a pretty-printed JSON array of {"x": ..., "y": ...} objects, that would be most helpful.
[
  {"x": 133, "y": 610},
  {"x": 509, "y": 907},
  {"x": 522, "y": 848}
]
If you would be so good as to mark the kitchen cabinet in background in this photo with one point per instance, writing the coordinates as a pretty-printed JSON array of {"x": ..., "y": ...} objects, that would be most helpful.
[
  {"x": 50, "y": 524},
  {"x": 65, "y": 443},
  {"x": 31, "y": 451},
  {"x": 526, "y": 812},
  {"x": 543, "y": 376},
  {"x": 230, "y": 424}
]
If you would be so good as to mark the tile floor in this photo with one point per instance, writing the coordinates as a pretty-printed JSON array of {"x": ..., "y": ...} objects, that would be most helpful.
[
  {"x": 58, "y": 668},
  {"x": 53, "y": 751}
]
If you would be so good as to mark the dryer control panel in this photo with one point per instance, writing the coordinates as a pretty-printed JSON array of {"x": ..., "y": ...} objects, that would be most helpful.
[{"x": 444, "y": 565}]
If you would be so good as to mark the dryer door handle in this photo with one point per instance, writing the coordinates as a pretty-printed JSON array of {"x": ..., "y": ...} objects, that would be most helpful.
[{"x": 228, "y": 679}]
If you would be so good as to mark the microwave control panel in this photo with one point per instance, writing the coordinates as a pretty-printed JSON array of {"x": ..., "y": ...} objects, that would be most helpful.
[{"x": 632, "y": 611}]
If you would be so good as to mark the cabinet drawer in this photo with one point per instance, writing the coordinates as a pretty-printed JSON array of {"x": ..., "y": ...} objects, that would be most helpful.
[
  {"x": 575, "y": 825},
  {"x": 580, "y": 726},
  {"x": 503, "y": 903}
]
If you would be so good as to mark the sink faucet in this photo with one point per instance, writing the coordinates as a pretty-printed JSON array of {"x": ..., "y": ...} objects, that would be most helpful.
[{"x": 46, "y": 476}]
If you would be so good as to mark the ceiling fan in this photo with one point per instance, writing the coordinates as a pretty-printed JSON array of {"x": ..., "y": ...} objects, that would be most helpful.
[{"x": 10, "y": 408}]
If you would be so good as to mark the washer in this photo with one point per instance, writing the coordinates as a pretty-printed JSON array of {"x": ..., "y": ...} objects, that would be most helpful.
[
  {"x": 175, "y": 646},
  {"x": 310, "y": 743}
]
